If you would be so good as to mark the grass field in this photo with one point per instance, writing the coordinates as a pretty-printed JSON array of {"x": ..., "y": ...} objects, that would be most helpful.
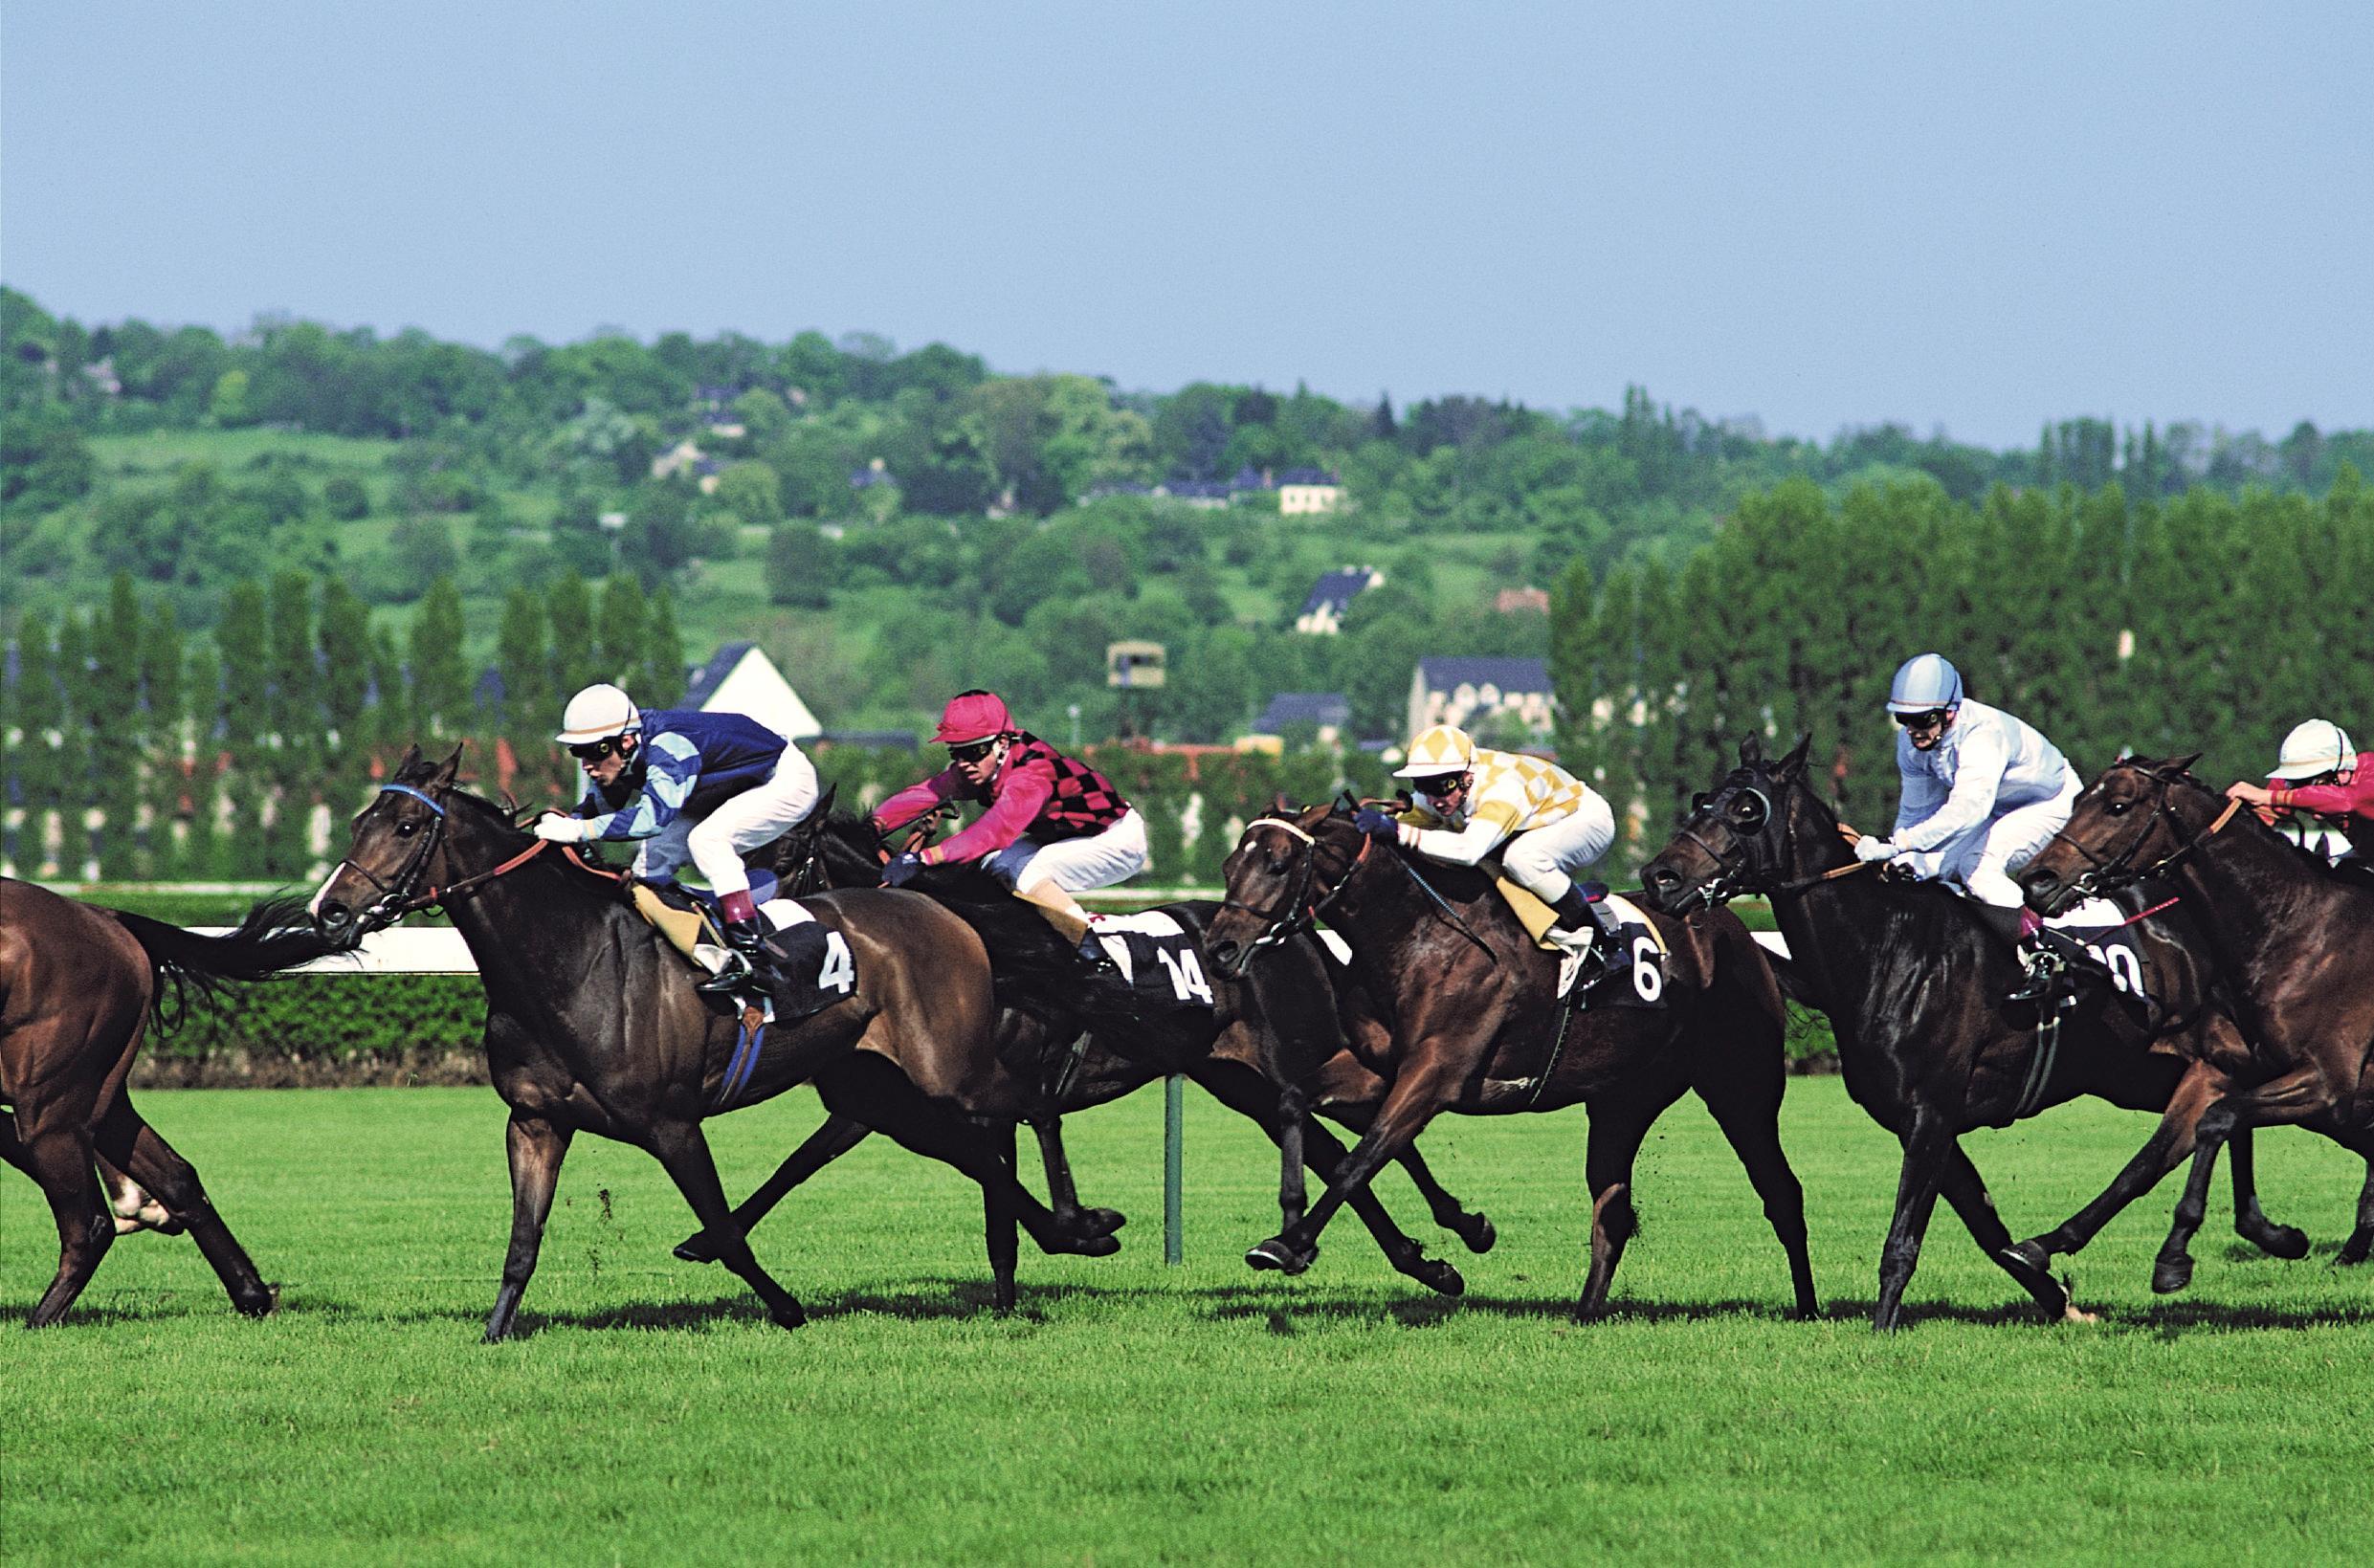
[{"x": 1131, "y": 1413}]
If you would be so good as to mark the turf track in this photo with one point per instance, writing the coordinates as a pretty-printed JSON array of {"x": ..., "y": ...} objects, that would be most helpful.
[{"x": 1130, "y": 1413}]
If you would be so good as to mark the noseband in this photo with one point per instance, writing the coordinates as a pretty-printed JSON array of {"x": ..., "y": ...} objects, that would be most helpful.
[{"x": 1303, "y": 904}]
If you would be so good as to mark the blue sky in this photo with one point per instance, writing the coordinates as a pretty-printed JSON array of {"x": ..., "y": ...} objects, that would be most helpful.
[{"x": 1818, "y": 214}]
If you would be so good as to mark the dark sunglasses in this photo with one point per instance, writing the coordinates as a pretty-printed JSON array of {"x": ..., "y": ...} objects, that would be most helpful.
[
  {"x": 1922, "y": 721},
  {"x": 593, "y": 751},
  {"x": 972, "y": 751}
]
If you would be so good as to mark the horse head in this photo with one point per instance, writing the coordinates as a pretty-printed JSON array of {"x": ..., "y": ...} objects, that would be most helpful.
[
  {"x": 401, "y": 842},
  {"x": 2136, "y": 818},
  {"x": 1741, "y": 836},
  {"x": 1284, "y": 870}
]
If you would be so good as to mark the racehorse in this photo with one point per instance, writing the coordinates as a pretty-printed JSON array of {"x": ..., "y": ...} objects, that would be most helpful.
[
  {"x": 1910, "y": 979},
  {"x": 1457, "y": 1010},
  {"x": 1274, "y": 1023},
  {"x": 2294, "y": 942},
  {"x": 592, "y": 1024},
  {"x": 79, "y": 988}
]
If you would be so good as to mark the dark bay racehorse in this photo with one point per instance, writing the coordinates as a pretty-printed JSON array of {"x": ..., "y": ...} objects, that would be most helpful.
[
  {"x": 2293, "y": 942},
  {"x": 1912, "y": 984},
  {"x": 1275, "y": 1022},
  {"x": 79, "y": 988},
  {"x": 1457, "y": 1010},
  {"x": 593, "y": 1022}
]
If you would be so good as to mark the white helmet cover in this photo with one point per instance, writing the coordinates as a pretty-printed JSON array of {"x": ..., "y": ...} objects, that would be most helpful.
[
  {"x": 596, "y": 714},
  {"x": 1924, "y": 682},
  {"x": 2318, "y": 746},
  {"x": 1444, "y": 748}
]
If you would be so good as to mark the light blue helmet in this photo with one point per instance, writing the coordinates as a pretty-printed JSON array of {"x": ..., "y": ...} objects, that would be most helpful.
[{"x": 1923, "y": 682}]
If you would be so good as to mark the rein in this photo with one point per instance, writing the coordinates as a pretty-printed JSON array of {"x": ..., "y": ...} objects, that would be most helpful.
[
  {"x": 394, "y": 903},
  {"x": 1301, "y": 908},
  {"x": 2114, "y": 874}
]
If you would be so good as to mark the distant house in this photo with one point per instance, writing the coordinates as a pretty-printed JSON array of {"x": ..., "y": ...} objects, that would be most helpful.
[
  {"x": 1308, "y": 490},
  {"x": 684, "y": 455},
  {"x": 739, "y": 679},
  {"x": 1328, "y": 713},
  {"x": 1521, "y": 600},
  {"x": 874, "y": 472},
  {"x": 1470, "y": 692},
  {"x": 1322, "y": 609}
]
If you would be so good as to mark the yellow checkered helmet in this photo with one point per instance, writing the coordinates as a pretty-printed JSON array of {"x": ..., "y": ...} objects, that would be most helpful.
[{"x": 1443, "y": 749}]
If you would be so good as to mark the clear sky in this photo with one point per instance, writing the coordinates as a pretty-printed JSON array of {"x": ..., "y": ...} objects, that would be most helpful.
[{"x": 1974, "y": 216}]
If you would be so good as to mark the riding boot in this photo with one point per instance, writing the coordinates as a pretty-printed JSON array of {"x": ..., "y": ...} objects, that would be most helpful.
[
  {"x": 2045, "y": 962},
  {"x": 1579, "y": 917},
  {"x": 755, "y": 965}
]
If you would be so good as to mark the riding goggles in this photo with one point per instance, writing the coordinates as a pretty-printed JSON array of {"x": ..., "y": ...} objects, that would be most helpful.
[
  {"x": 593, "y": 751},
  {"x": 973, "y": 751},
  {"x": 1929, "y": 721}
]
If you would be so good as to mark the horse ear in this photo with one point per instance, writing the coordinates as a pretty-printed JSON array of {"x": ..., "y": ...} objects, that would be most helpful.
[
  {"x": 452, "y": 766},
  {"x": 824, "y": 805},
  {"x": 1280, "y": 805},
  {"x": 1795, "y": 760},
  {"x": 410, "y": 760},
  {"x": 1751, "y": 751},
  {"x": 2176, "y": 765}
]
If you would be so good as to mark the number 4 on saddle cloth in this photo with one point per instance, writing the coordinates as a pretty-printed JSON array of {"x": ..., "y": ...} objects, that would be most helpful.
[{"x": 813, "y": 960}]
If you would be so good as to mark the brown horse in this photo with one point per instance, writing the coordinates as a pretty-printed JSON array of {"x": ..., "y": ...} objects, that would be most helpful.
[
  {"x": 2292, "y": 941},
  {"x": 1910, "y": 981},
  {"x": 80, "y": 986},
  {"x": 1457, "y": 1010},
  {"x": 1277, "y": 1022},
  {"x": 592, "y": 1024}
]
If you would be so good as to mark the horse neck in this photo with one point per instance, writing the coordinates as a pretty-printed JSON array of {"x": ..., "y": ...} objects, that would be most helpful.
[
  {"x": 1833, "y": 927},
  {"x": 547, "y": 896},
  {"x": 2252, "y": 894},
  {"x": 1385, "y": 918}
]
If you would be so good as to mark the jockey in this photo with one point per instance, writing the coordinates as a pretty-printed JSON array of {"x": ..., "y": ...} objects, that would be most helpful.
[
  {"x": 1054, "y": 827},
  {"x": 1982, "y": 792},
  {"x": 2326, "y": 786},
  {"x": 1472, "y": 799},
  {"x": 686, "y": 784}
]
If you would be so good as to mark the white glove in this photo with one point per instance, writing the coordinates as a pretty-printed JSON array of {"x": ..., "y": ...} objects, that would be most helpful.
[
  {"x": 1869, "y": 848},
  {"x": 561, "y": 829}
]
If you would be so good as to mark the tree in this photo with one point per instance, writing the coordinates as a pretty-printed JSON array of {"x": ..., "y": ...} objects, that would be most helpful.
[
  {"x": 799, "y": 565},
  {"x": 663, "y": 670},
  {"x": 346, "y": 497},
  {"x": 752, "y": 492},
  {"x": 576, "y": 639},
  {"x": 440, "y": 678},
  {"x": 623, "y": 629},
  {"x": 524, "y": 659}
]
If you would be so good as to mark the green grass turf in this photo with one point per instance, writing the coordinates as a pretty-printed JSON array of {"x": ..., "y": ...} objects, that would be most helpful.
[{"x": 1131, "y": 1413}]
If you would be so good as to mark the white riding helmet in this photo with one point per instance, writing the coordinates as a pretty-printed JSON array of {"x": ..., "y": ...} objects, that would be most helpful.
[
  {"x": 2318, "y": 746},
  {"x": 1443, "y": 749},
  {"x": 1923, "y": 683},
  {"x": 596, "y": 714}
]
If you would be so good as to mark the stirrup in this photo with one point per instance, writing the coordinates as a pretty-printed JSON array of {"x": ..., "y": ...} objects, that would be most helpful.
[
  {"x": 2042, "y": 978},
  {"x": 739, "y": 973}
]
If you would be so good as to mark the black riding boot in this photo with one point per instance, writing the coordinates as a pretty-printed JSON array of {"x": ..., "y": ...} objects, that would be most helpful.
[
  {"x": 1576, "y": 912},
  {"x": 2049, "y": 957},
  {"x": 754, "y": 968}
]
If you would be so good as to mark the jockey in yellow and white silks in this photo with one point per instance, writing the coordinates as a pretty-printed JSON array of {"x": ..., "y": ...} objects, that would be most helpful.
[{"x": 1472, "y": 799}]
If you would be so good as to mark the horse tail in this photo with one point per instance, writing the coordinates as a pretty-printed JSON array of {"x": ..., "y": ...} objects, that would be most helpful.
[{"x": 275, "y": 935}]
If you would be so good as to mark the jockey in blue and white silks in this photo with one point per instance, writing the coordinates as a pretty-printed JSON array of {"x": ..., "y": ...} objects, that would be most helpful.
[{"x": 687, "y": 786}]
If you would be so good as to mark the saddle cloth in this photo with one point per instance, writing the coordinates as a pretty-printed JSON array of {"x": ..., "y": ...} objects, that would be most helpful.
[
  {"x": 815, "y": 960},
  {"x": 1158, "y": 955}
]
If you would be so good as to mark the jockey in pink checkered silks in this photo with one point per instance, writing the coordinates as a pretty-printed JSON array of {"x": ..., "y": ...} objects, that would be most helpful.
[{"x": 1054, "y": 827}]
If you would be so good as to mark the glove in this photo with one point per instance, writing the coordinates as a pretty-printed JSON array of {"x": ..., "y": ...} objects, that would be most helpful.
[
  {"x": 1375, "y": 823},
  {"x": 902, "y": 870},
  {"x": 1869, "y": 848},
  {"x": 557, "y": 829}
]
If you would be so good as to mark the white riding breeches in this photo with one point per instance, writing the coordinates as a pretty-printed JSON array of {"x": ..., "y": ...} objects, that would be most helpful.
[
  {"x": 1545, "y": 860},
  {"x": 1074, "y": 864},
  {"x": 716, "y": 843},
  {"x": 1983, "y": 858}
]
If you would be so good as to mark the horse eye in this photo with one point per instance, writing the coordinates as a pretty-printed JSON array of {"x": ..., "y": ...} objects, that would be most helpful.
[
  {"x": 404, "y": 830},
  {"x": 2115, "y": 809}
]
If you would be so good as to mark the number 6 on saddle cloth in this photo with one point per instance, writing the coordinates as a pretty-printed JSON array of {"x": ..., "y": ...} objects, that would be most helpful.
[{"x": 817, "y": 968}]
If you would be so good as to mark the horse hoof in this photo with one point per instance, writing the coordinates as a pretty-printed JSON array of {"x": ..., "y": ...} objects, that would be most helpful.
[
  {"x": 259, "y": 1306},
  {"x": 695, "y": 1248},
  {"x": 2170, "y": 1275},
  {"x": 2354, "y": 1251},
  {"x": 788, "y": 1316},
  {"x": 1274, "y": 1254},
  {"x": 2032, "y": 1253},
  {"x": 1439, "y": 1276},
  {"x": 1479, "y": 1236},
  {"x": 1082, "y": 1246},
  {"x": 2279, "y": 1241},
  {"x": 1101, "y": 1222}
]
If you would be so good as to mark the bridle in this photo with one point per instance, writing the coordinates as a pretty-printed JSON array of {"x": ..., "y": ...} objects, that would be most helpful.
[
  {"x": 2113, "y": 875},
  {"x": 1304, "y": 901},
  {"x": 1729, "y": 881},
  {"x": 396, "y": 898}
]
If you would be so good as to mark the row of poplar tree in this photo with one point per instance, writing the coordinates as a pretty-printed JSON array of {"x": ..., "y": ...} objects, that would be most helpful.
[
  {"x": 141, "y": 752},
  {"x": 2203, "y": 623}
]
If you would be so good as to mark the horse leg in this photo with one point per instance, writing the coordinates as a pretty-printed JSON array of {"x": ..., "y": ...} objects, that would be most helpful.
[
  {"x": 2170, "y": 1143},
  {"x": 1412, "y": 1102},
  {"x": 124, "y": 1138},
  {"x": 2250, "y": 1221},
  {"x": 821, "y": 1148},
  {"x": 1473, "y": 1228},
  {"x": 1294, "y": 1117},
  {"x": 1242, "y": 1090},
  {"x": 1001, "y": 1228},
  {"x": 1917, "y": 1183},
  {"x": 135, "y": 1208},
  {"x": 1065, "y": 1198},
  {"x": 1610, "y": 1148},
  {"x": 60, "y": 1160},
  {"x": 2289, "y": 1097},
  {"x": 535, "y": 1148},
  {"x": 1746, "y": 1105},
  {"x": 2361, "y": 1240},
  {"x": 1967, "y": 1190},
  {"x": 682, "y": 1150}
]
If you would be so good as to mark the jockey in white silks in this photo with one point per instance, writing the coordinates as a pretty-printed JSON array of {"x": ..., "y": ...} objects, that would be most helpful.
[
  {"x": 1983, "y": 793},
  {"x": 1472, "y": 799}
]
